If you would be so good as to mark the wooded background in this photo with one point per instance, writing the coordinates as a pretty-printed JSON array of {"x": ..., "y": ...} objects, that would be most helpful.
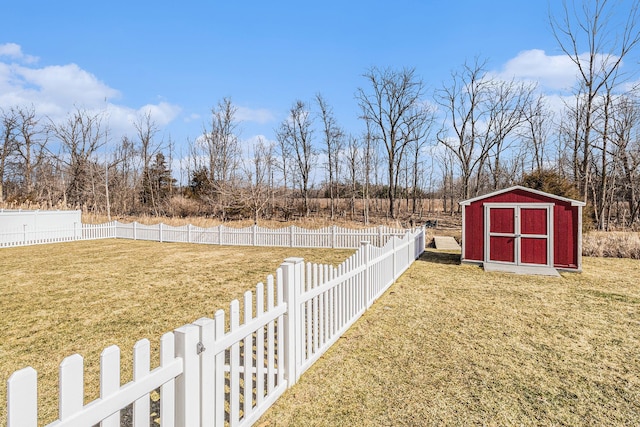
[{"x": 421, "y": 149}]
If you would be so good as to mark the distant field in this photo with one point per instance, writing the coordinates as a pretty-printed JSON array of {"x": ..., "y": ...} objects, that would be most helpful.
[
  {"x": 61, "y": 299},
  {"x": 451, "y": 345}
]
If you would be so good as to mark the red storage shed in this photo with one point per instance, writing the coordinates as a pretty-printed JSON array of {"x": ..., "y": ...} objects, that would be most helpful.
[{"x": 523, "y": 230}]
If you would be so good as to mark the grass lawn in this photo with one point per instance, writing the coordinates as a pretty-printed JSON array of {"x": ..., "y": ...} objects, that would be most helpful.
[
  {"x": 81, "y": 297},
  {"x": 452, "y": 345}
]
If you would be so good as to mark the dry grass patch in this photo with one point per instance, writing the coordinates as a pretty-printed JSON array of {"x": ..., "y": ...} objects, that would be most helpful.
[
  {"x": 452, "y": 345},
  {"x": 81, "y": 297}
]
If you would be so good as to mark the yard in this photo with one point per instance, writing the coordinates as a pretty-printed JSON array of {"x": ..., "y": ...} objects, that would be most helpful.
[
  {"x": 81, "y": 297},
  {"x": 446, "y": 345},
  {"x": 452, "y": 345}
]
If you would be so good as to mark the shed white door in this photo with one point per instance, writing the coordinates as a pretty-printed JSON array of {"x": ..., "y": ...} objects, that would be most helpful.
[{"x": 519, "y": 234}]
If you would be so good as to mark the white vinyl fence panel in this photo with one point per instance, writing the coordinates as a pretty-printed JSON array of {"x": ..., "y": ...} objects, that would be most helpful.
[
  {"x": 295, "y": 237},
  {"x": 218, "y": 372},
  {"x": 292, "y": 236},
  {"x": 20, "y": 227}
]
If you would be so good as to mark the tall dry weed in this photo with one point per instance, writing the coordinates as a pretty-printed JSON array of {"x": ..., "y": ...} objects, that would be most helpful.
[
  {"x": 311, "y": 222},
  {"x": 613, "y": 244}
]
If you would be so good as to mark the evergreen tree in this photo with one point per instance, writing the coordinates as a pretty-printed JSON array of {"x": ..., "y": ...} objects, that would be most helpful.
[{"x": 157, "y": 183}]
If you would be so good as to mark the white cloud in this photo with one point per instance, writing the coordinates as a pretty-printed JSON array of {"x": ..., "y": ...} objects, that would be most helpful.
[
  {"x": 555, "y": 72},
  {"x": 121, "y": 119},
  {"x": 56, "y": 91},
  {"x": 551, "y": 72},
  {"x": 192, "y": 117},
  {"x": 65, "y": 82},
  {"x": 248, "y": 144},
  {"x": 260, "y": 115},
  {"x": 14, "y": 51},
  {"x": 162, "y": 113}
]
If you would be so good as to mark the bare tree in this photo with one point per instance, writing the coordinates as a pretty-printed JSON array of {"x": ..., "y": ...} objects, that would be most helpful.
[
  {"x": 221, "y": 141},
  {"x": 447, "y": 166},
  {"x": 367, "y": 165},
  {"x": 295, "y": 134},
  {"x": 333, "y": 137},
  {"x": 30, "y": 147},
  {"x": 283, "y": 164},
  {"x": 569, "y": 135},
  {"x": 9, "y": 129},
  {"x": 535, "y": 132},
  {"x": 603, "y": 172},
  {"x": 626, "y": 152},
  {"x": 597, "y": 46},
  {"x": 393, "y": 107},
  {"x": 352, "y": 156},
  {"x": 125, "y": 181},
  {"x": 223, "y": 153},
  {"x": 80, "y": 136},
  {"x": 420, "y": 139},
  {"x": 258, "y": 171},
  {"x": 462, "y": 101},
  {"x": 482, "y": 112},
  {"x": 507, "y": 104},
  {"x": 146, "y": 129}
]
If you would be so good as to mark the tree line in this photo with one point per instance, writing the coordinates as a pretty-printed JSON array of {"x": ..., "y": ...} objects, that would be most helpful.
[{"x": 473, "y": 134}]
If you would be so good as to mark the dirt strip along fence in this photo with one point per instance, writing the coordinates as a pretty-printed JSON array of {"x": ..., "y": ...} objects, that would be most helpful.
[
  {"x": 292, "y": 236},
  {"x": 230, "y": 369}
]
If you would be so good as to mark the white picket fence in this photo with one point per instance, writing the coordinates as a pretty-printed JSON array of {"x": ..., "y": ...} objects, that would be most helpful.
[
  {"x": 328, "y": 237},
  {"x": 214, "y": 375}
]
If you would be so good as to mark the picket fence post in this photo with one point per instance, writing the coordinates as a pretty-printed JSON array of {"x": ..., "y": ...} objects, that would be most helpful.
[
  {"x": 160, "y": 232},
  {"x": 253, "y": 234},
  {"x": 110, "y": 379},
  {"x": 333, "y": 237},
  {"x": 220, "y": 234},
  {"x": 395, "y": 257},
  {"x": 292, "y": 274},
  {"x": 188, "y": 383},
  {"x": 135, "y": 231},
  {"x": 367, "y": 287},
  {"x": 141, "y": 368},
  {"x": 22, "y": 398},
  {"x": 188, "y": 233},
  {"x": 409, "y": 259},
  {"x": 71, "y": 372},
  {"x": 207, "y": 332}
]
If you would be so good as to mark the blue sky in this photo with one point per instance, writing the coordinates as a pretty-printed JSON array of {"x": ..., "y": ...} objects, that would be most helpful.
[{"x": 178, "y": 59}]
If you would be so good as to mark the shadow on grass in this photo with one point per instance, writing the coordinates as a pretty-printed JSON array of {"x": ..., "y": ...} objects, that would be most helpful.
[{"x": 440, "y": 257}]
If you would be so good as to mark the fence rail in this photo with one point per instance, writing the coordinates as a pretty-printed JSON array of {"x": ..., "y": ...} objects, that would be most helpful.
[
  {"x": 218, "y": 372},
  {"x": 292, "y": 236}
]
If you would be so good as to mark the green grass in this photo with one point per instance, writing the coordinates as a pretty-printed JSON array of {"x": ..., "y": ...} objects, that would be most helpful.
[
  {"x": 61, "y": 299},
  {"x": 451, "y": 345}
]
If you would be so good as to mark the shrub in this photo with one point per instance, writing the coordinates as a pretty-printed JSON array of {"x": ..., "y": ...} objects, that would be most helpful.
[{"x": 553, "y": 183}]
